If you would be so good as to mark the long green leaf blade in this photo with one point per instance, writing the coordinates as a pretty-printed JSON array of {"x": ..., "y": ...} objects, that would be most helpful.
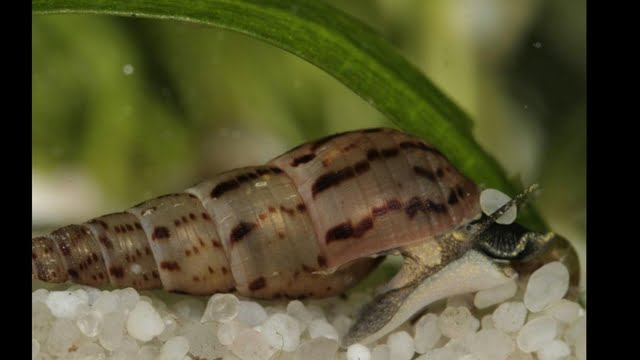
[{"x": 344, "y": 48}]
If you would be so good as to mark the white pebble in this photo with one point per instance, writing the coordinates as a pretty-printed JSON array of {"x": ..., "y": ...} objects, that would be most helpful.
[
  {"x": 576, "y": 330},
  {"x": 175, "y": 348},
  {"x": 221, "y": 307},
  {"x": 89, "y": 351},
  {"x": 316, "y": 349},
  {"x": 380, "y": 352},
  {"x": 491, "y": 344},
  {"x": 457, "y": 322},
  {"x": 510, "y": 316},
  {"x": 39, "y": 295},
  {"x": 189, "y": 309},
  {"x": 297, "y": 309},
  {"x": 555, "y": 350},
  {"x": 537, "y": 333},
  {"x": 444, "y": 353},
  {"x": 35, "y": 348},
  {"x": 90, "y": 323},
  {"x": 547, "y": 285},
  {"x": 401, "y": 346},
  {"x": 106, "y": 303},
  {"x": 65, "y": 304},
  {"x": 342, "y": 323},
  {"x": 427, "y": 333},
  {"x": 496, "y": 295},
  {"x": 203, "y": 340},
  {"x": 282, "y": 332},
  {"x": 251, "y": 345},
  {"x": 565, "y": 311},
  {"x": 170, "y": 327},
  {"x": 127, "y": 350},
  {"x": 358, "y": 352},
  {"x": 41, "y": 321},
  {"x": 316, "y": 312},
  {"x": 148, "y": 352},
  {"x": 144, "y": 322},
  {"x": 321, "y": 328},
  {"x": 64, "y": 335},
  {"x": 129, "y": 297},
  {"x": 251, "y": 313},
  {"x": 461, "y": 345},
  {"x": 113, "y": 328},
  {"x": 228, "y": 332},
  {"x": 492, "y": 200}
]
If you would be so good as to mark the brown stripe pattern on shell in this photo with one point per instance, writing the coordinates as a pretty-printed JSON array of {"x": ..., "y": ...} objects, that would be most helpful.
[
  {"x": 375, "y": 190},
  {"x": 304, "y": 225}
]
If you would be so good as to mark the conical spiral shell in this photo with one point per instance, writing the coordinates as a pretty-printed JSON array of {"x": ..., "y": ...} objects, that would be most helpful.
[{"x": 307, "y": 224}]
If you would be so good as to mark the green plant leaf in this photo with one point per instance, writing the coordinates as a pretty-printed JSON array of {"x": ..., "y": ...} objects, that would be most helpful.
[{"x": 346, "y": 49}]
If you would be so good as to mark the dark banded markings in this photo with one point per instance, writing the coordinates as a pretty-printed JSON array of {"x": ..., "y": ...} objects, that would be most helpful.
[
  {"x": 390, "y": 205},
  {"x": 160, "y": 232},
  {"x": 233, "y": 184},
  {"x": 224, "y": 187},
  {"x": 106, "y": 242},
  {"x": 116, "y": 271},
  {"x": 374, "y": 154},
  {"x": 349, "y": 147},
  {"x": 391, "y": 152},
  {"x": 258, "y": 284},
  {"x": 303, "y": 159},
  {"x": 419, "y": 146},
  {"x": 334, "y": 178},
  {"x": 169, "y": 265},
  {"x": 346, "y": 230},
  {"x": 416, "y": 204},
  {"x": 287, "y": 210},
  {"x": 263, "y": 171},
  {"x": 361, "y": 167},
  {"x": 104, "y": 225},
  {"x": 73, "y": 273},
  {"x": 241, "y": 230},
  {"x": 453, "y": 198},
  {"x": 428, "y": 174}
]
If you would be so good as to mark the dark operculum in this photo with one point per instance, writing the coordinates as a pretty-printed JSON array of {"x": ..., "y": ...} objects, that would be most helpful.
[
  {"x": 506, "y": 242},
  {"x": 527, "y": 250}
]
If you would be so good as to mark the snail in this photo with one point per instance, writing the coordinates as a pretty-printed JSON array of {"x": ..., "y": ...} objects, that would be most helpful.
[{"x": 310, "y": 223}]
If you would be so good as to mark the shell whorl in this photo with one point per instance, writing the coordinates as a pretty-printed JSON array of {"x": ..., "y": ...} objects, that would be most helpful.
[
  {"x": 378, "y": 189},
  {"x": 272, "y": 231}
]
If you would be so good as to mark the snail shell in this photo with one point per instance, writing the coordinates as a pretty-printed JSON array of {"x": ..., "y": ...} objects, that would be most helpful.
[{"x": 307, "y": 224}]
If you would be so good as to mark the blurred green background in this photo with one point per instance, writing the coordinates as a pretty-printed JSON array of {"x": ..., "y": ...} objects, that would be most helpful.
[{"x": 125, "y": 109}]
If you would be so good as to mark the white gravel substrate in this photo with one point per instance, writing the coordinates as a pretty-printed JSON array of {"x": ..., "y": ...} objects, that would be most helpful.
[{"x": 516, "y": 321}]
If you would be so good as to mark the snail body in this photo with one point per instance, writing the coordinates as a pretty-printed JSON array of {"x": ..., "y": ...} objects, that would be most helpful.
[{"x": 309, "y": 223}]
